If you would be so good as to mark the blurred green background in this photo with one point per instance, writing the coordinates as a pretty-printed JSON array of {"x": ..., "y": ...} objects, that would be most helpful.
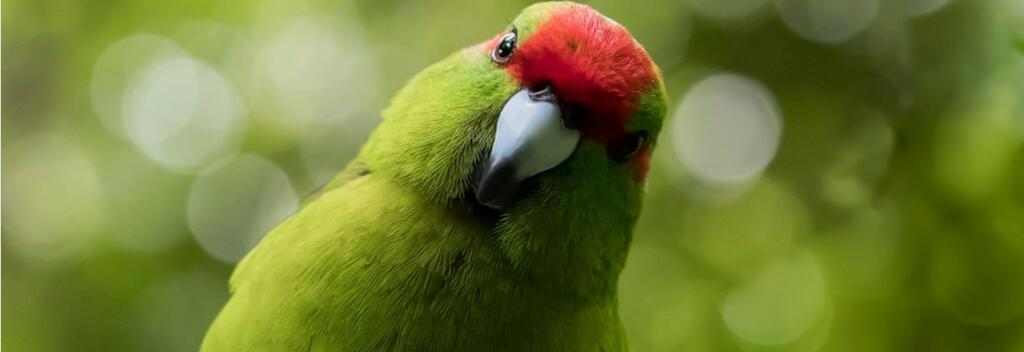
[{"x": 837, "y": 175}]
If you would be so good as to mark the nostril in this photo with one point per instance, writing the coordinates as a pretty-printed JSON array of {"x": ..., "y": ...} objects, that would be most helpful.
[{"x": 543, "y": 93}]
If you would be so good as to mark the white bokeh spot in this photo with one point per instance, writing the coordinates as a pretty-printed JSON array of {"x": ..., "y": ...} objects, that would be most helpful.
[
  {"x": 232, "y": 204},
  {"x": 117, "y": 67},
  {"x": 832, "y": 21},
  {"x": 183, "y": 114},
  {"x": 727, "y": 10},
  {"x": 317, "y": 69},
  {"x": 727, "y": 129},
  {"x": 319, "y": 81}
]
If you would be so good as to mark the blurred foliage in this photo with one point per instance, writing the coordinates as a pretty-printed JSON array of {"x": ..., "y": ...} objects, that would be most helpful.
[{"x": 891, "y": 216}]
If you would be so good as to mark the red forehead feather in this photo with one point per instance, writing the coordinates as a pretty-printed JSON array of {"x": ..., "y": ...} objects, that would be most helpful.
[{"x": 591, "y": 62}]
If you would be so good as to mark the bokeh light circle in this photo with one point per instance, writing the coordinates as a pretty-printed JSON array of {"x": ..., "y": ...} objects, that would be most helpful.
[
  {"x": 832, "y": 21},
  {"x": 52, "y": 199},
  {"x": 767, "y": 220},
  {"x": 317, "y": 78},
  {"x": 117, "y": 67},
  {"x": 779, "y": 304},
  {"x": 976, "y": 278},
  {"x": 317, "y": 69},
  {"x": 727, "y": 129},
  {"x": 923, "y": 7},
  {"x": 232, "y": 204},
  {"x": 163, "y": 100},
  {"x": 183, "y": 114},
  {"x": 653, "y": 278},
  {"x": 729, "y": 11}
]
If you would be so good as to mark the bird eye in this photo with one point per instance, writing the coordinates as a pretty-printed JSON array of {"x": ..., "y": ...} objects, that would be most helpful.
[
  {"x": 505, "y": 47},
  {"x": 628, "y": 146}
]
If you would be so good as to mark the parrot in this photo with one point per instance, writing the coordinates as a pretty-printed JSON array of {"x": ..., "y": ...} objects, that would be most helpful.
[{"x": 491, "y": 209}]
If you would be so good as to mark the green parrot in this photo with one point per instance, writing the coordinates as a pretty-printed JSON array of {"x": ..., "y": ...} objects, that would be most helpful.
[{"x": 491, "y": 210}]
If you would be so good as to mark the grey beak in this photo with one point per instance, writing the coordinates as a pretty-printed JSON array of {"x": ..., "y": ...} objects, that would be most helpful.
[{"x": 530, "y": 138}]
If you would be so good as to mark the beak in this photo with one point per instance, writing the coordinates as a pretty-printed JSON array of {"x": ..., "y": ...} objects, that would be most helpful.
[{"x": 531, "y": 138}]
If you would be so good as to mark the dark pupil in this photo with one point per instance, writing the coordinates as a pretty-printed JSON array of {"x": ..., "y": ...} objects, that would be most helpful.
[{"x": 506, "y": 46}]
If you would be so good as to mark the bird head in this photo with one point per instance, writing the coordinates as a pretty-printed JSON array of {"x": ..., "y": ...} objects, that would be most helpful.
[
  {"x": 544, "y": 131},
  {"x": 582, "y": 85}
]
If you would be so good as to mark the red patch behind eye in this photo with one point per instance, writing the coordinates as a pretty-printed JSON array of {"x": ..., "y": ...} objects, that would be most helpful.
[
  {"x": 643, "y": 164},
  {"x": 592, "y": 64}
]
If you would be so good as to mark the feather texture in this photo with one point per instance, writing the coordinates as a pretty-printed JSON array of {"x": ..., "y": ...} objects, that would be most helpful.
[{"x": 390, "y": 256}]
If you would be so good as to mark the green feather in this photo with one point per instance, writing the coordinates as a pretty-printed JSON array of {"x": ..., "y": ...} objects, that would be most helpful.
[{"x": 386, "y": 257}]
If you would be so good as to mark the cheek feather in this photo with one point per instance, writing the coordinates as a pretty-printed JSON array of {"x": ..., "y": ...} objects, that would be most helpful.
[{"x": 590, "y": 62}]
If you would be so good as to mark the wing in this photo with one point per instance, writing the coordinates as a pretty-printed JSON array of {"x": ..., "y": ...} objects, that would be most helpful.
[
  {"x": 368, "y": 265},
  {"x": 355, "y": 169},
  {"x": 266, "y": 274},
  {"x": 343, "y": 270}
]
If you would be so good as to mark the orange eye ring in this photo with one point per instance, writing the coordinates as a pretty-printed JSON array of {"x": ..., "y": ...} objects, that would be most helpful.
[{"x": 506, "y": 46}]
